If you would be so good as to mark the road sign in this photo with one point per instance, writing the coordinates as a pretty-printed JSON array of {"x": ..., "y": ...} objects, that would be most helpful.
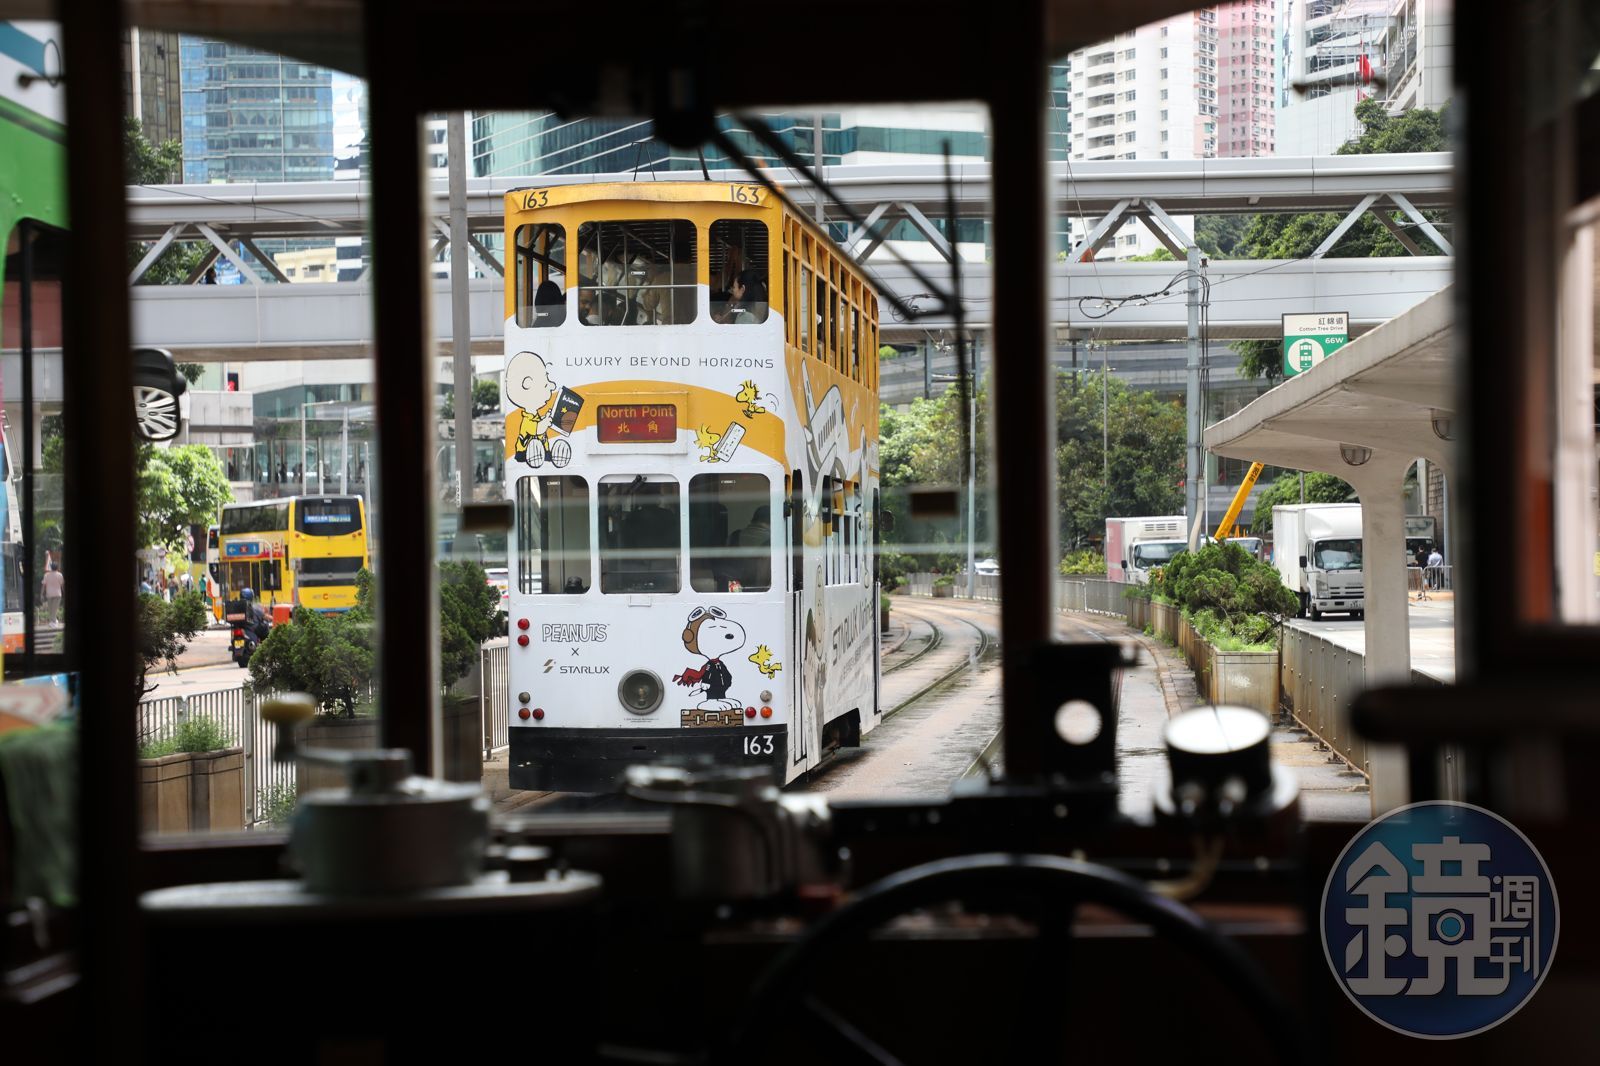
[{"x": 1310, "y": 338}]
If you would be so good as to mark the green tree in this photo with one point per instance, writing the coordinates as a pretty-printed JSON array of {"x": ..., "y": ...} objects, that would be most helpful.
[
  {"x": 332, "y": 657},
  {"x": 175, "y": 487},
  {"x": 144, "y": 163},
  {"x": 164, "y": 630},
  {"x": 1320, "y": 488},
  {"x": 467, "y": 607},
  {"x": 1117, "y": 453}
]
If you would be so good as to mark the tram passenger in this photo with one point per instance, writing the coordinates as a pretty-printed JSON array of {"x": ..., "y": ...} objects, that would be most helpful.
[
  {"x": 751, "y": 564},
  {"x": 549, "y": 305},
  {"x": 747, "y": 300}
]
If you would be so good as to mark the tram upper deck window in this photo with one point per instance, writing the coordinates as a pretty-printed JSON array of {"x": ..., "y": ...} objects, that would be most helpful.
[
  {"x": 541, "y": 274},
  {"x": 553, "y": 535},
  {"x": 730, "y": 533},
  {"x": 640, "y": 542},
  {"x": 739, "y": 272},
  {"x": 636, "y": 273}
]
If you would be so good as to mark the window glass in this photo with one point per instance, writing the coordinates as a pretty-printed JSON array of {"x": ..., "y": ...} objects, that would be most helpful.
[
  {"x": 738, "y": 272},
  {"x": 730, "y": 533},
  {"x": 636, "y": 273},
  {"x": 553, "y": 535},
  {"x": 328, "y": 517},
  {"x": 1342, "y": 554},
  {"x": 256, "y": 518},
  {"x": 541, "y": 274},
  {"x": 802, "y": 316},
  {"x": 320, "y": 573},
  {"x": 640, "y": 540}
]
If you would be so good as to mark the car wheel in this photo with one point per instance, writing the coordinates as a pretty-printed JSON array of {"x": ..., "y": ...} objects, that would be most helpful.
[
  {"x": 156, "y": 388},
  {"x": 1314, "y": 614}
]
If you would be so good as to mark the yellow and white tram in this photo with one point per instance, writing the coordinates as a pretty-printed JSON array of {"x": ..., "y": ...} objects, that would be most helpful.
[{"x": 691, "y": 450}]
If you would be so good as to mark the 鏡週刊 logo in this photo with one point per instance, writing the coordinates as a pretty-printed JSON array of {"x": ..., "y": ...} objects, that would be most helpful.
[{"x": 1440, "y": 920}]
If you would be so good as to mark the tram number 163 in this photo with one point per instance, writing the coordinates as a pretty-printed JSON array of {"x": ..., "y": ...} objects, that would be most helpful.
[{"x": 761, "y": 745}]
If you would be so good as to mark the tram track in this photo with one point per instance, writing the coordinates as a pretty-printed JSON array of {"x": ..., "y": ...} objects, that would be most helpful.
[
  {"x": 986, "y": 645},
  {"x": 935, "y": 638}
]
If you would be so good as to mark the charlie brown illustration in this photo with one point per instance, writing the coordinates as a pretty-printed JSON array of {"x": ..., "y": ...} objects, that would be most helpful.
[
  {"x": 711, "y": 634},
  {"x": 546, "y": 412}
]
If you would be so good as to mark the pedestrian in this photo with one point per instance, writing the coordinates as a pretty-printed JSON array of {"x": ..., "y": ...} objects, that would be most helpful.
[
  {"x": 53, "y": 586},
  {"x": 161, "y": 584},
  {"x": 1435, "y": 569}
]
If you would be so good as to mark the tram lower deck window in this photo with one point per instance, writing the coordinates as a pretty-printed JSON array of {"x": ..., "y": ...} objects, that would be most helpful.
[
  {"x": 730, "y": 533},
  {"x": 553, "y": 535},
  {"x": 640, "y": 541}
]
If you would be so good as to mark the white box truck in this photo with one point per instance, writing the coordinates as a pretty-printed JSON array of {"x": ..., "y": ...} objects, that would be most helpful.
[
  {"x": 1317, "y": 550},
  {"x": 1135, "y": 545}
]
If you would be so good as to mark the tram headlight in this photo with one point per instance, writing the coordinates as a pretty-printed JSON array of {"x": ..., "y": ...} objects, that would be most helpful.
[{"x": 640, "y": 691}]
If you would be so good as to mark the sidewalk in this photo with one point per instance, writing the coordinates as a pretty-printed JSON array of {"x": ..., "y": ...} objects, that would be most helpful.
[{"x": 1329, "y": 791}]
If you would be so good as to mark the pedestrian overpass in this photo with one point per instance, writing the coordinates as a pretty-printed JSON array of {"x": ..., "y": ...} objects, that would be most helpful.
[{"x": 269, "y": 318}]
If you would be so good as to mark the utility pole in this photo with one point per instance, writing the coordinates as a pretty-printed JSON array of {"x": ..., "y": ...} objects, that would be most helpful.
[
  {"x": 816, "y": 161},
  {"x": 1105, "y": 416},
  {"x": 972, "y": 476},
  {"x": 344, "y": 453},
  {"x": 460, "y": 308},
  {"x": 1191, "y": 484}
]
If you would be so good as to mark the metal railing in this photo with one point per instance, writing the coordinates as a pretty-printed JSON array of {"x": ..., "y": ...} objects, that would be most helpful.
[
  {"x": 1321, "y": 680},
  {"x": 1421, "y": 581},
  {"x": 494, "y": 697}
]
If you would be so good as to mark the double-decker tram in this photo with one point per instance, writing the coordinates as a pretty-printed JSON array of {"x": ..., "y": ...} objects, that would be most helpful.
[
  {"x": 302, "y": 551},
  {"x": 691, "y": 449}
]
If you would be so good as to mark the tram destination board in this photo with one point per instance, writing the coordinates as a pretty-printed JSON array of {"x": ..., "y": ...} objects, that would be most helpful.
[{"x": 647, "y": 423}]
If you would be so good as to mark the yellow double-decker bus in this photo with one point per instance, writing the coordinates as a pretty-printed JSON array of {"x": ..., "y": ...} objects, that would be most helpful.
[{"x": 301, "y": 551}]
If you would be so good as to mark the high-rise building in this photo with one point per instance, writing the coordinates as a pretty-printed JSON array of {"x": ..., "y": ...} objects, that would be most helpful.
[
  {"x": 250, "y": 115},
  {"x": 150, "y": 83},
  {"x": 1244, "y": 78},
  {"x": 1150, "y": 93},
  {"x": 1333, "y": 54}
]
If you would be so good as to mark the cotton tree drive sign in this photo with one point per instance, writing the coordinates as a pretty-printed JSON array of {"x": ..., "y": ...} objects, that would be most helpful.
[{"x": 1309, "y": 339}]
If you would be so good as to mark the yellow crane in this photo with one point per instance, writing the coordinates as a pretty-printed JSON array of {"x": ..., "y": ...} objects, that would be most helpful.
[{"x": 1226, "y": 528}]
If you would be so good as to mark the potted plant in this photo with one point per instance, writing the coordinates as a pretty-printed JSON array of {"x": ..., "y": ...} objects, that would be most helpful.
[
  {"x": 192, "y": 779},
  {"x": 944, "y": 586},
  {"x": 883, "y": 612}
]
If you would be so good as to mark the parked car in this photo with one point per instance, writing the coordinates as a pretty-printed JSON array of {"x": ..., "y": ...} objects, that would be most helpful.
[{"x": 986, "y": 568}]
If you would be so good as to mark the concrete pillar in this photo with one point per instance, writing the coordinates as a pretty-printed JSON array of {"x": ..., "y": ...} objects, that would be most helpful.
[{"x": 1380, "y": 484}]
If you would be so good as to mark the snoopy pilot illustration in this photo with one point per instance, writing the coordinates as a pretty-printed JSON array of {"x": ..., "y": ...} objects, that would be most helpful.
[
  {"x": 546, "y": 411},
  {"x": 711, "y": 634}
]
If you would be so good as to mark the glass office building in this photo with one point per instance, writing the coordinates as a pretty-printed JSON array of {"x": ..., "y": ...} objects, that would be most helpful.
[{"x": 250, "y": 115}]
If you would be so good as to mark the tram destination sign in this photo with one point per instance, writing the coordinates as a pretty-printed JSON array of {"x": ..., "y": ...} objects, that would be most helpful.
[
  {"x": 641, "y": 423},
  {"x": 1308, "y": 339}
]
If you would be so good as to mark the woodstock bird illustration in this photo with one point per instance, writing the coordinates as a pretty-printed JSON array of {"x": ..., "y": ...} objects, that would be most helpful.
[
  {"x": 762, "y": 657},
  {"x": 706, "y": 437},
  {"x": 751, "y": 397}
]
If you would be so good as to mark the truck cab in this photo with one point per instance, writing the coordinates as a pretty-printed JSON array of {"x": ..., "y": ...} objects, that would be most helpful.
[{"x": 1318, "y": 554}]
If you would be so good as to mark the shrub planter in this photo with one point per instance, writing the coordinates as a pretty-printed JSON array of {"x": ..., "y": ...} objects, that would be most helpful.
[
  {"x": 883, "y": 620},
  {"x": 944, "y": 592},
  {"x": 1164, "y": 617},
  {"x": 164, "y": 794},
  {"x": 1138, "y": 613},
  {"x": 192, "y": 791},
  {"x": 1240, "y": 678},
  {"x": 463, "y": 737},
  {"x": 1246, "y": 679},
  {"x": 344, "y": 734},
  {"x": 216, "y": 789}
]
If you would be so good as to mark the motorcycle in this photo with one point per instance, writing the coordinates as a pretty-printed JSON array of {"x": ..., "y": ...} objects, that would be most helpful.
[{"x": 245, "y": 640}]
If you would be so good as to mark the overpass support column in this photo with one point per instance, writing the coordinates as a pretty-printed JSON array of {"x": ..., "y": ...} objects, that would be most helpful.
[{"x": 1380, "y": 484}]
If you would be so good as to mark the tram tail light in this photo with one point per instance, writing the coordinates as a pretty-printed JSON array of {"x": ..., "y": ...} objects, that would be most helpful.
[
  {"x": 538, "y": 714},
  {"x": 522, "y": 623},
  {"x": 522, "y": 640},
  {"x": 766, "y": 712},
  {"x": 749, "y": 712},
  {"x": 523, "y": 713}
]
